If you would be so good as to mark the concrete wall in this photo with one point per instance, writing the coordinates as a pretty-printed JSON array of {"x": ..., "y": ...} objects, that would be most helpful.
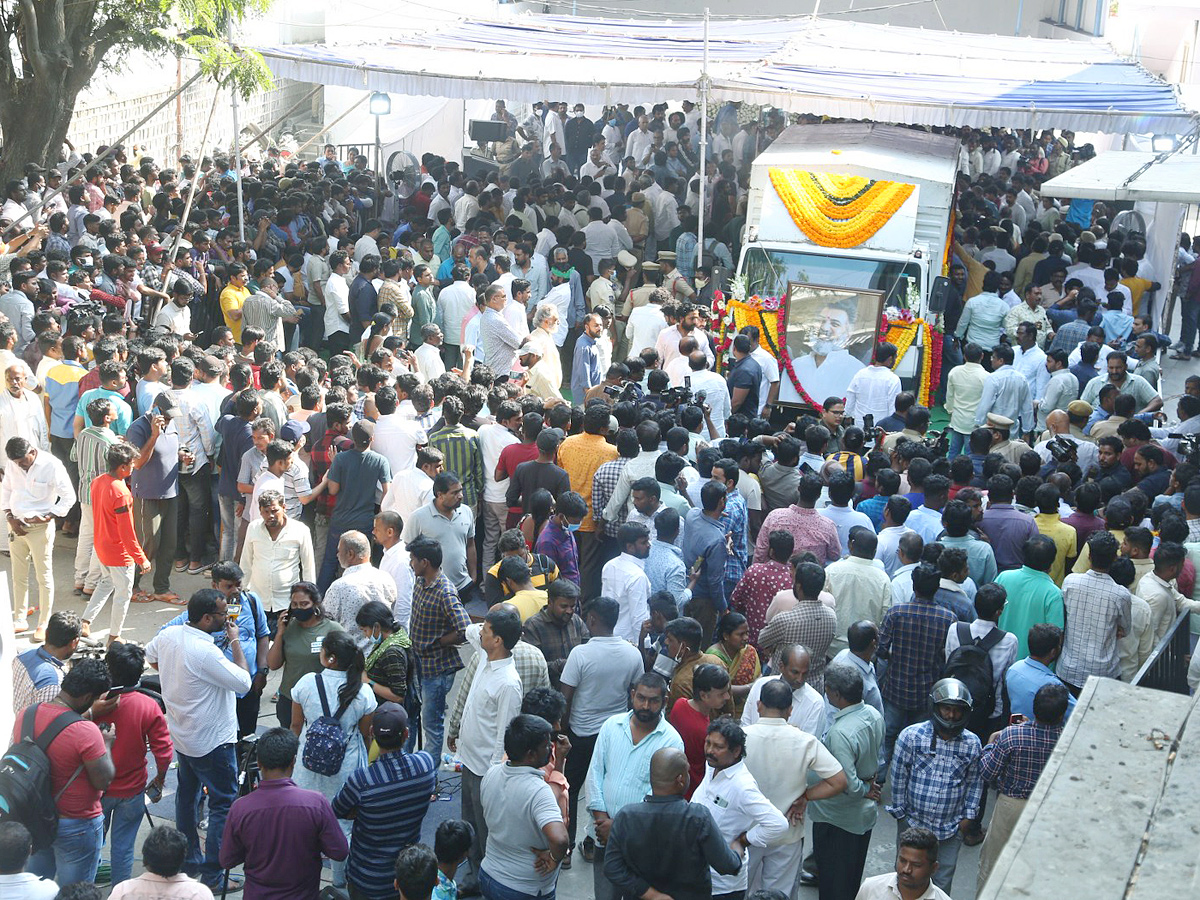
[{"x": 179, "y": 128}]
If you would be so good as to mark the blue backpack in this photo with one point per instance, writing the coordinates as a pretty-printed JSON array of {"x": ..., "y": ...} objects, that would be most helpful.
[{"x": 325, "y": 743}]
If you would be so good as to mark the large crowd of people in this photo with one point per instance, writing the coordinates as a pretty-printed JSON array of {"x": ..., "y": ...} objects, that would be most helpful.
[{"x": 469, "y": 472}]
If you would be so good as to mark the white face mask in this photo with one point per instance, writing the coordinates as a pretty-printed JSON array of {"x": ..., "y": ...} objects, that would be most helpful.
[
  {"x": 579, "y": 113},
  {"x": 86, "y": 262}
]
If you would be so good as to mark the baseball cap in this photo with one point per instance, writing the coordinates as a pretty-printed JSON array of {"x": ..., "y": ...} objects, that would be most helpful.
[
  {"x": 293, "y": 430},
  {"x": 165, "y": 404},
  {"x": 389, "y": 723}
]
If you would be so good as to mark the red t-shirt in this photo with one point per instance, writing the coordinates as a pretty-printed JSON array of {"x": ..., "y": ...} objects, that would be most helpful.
[
  {"x": 138, "y": 722},
  {"x": 693, "y": 728},
  {"x": 77, "y": 744},
  {"x": 513, "y": 455},
  {"x": 112, "y": 514}
]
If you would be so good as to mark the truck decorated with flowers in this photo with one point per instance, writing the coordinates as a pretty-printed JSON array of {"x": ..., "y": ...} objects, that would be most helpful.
[{"x": 847, "y": 228}]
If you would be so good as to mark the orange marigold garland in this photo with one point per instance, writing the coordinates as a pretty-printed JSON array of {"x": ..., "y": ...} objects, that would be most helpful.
[{"x": 838, "y": 210}]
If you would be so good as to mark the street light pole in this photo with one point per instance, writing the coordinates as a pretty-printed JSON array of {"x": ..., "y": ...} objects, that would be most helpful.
[{"x": 379, "y": 106}]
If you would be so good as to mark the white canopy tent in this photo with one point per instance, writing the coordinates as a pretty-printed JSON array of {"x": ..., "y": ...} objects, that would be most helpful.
[
  {"x": 1160, "y": 185},
  {"x": 806, "y": 65}
]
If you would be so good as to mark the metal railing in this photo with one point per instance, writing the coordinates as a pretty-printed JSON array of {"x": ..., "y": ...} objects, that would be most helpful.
[{"x": 1166, "y": 669}]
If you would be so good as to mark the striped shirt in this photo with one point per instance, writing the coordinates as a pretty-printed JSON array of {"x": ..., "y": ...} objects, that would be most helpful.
[
  {"x": 464, "y": 458},
  {"x": 389, "y": 799},
  {"x": 89, "y": 452},
  {"x": 266, "y": 312}
]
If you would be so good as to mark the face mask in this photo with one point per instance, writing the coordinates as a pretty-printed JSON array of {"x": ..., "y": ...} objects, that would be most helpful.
[
  {"x": 579, "y": 113},
  {"x": 573, "y": 526},
  {"x": 375, "y": 639},
  {"x": 612, "y": 122},
  {"x": 86, "y": 262},
  {"x": 303, "y": 614}
]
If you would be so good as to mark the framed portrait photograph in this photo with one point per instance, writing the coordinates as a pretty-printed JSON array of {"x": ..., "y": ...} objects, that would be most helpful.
[{"x": 831, "y": 334}]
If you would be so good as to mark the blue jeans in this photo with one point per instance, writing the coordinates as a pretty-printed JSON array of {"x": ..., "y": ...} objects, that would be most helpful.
[
  {"x": 434, "y": 691},
  {"x": 495, "y": 890},
  {"x": 215, "y": 772},
  {"x": 957, "y": 441},
  {"x": 329, "y": 562},
  {"x": 1189, "y": 314},
  {"x": 123, "y": 817},
  {"x": 895, "y": 720},
  {"x": 74, "y": 855}
]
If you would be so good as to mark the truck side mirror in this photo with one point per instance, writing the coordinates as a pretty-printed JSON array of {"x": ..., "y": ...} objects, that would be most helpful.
[{"x": 939, "y": 293}]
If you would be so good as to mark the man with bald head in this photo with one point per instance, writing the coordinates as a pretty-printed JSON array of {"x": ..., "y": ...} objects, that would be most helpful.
[
  {"x": 1058, "y": 425},
  {"x": 808, "y": 707},
  {"x": 664, "y": 846},
  {"x": 716, "y": 392}
]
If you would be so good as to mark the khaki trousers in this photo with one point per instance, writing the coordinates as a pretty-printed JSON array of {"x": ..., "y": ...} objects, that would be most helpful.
[
  {"x": 1004, "y": 820},
  {"x": 33, "y": 549}
]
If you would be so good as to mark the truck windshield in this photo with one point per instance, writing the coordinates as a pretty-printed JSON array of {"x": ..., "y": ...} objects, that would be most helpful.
[{"x": 769, "y": 271}]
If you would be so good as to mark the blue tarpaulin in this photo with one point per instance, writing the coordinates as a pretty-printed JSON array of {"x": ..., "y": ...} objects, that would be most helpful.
[{"x": 834, "y": 68}]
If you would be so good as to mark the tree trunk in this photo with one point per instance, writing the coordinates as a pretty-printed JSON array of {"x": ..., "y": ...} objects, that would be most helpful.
[{"x": 34, "y": 122}]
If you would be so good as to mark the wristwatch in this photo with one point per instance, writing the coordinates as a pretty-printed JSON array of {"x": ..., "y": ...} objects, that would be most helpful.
[{"x": 262, "y": 671}]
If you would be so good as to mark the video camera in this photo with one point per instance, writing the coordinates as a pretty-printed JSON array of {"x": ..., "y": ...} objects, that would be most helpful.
[
  {"x": 1063, "y": 449},
  {"x": 937, "y": 442},
  {"x": 683, "y": 396},
  {"x": 1189, "y": 447},
  {"x": 630, "y": 392}
]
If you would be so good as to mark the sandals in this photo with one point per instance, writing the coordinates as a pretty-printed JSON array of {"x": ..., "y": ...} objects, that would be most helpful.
[
  {"x": 168, "y": 597},
  {"x": 140, "y": 596}
]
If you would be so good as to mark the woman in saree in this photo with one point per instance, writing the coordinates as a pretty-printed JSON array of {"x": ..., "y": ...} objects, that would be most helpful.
[{"x": 734, "y": 649}]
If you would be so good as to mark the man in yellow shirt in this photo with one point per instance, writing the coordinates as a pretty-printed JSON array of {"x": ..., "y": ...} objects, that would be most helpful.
[
  {"x": 233, "y": 298},
  {"x": 1048, "y": 523},
  {"x": 527, "y": 599}
]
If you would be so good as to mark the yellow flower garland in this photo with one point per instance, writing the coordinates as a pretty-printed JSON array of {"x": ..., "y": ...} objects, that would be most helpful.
[
  {"x": 902, "y": 336},
  {"x": 838, "y": 210}
]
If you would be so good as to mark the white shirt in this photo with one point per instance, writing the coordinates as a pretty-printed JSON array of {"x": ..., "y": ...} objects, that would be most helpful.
[
  {"x": 770, "y": 373},
  {"x": 493, "y": 438},
  {"x": 872, "y": 391},
  {"x": 644, "y": 326},
  {"x": 27, "y": 886},
  {"x": 560, "y": 296},
  {"x": 808, "y": 708},
  {"x": 638, "y": 145},
  {"x": 1075, "y": 357},
  {"x": 1086, "y": 452},
  {"x": 395, "y": 565},
  {"x": 358, "y": 586},
  {"x": 552, "y": 132},
  {"x": 429, "y": 362},
  {"x": 273, "y": 566},
  {"x": 365, "y": 246},
  {"x": 737, "y": 805},
  {"x": 1003, "y": 654},
  {"x": 337, "y": 304},
  {"x": 669, "y": 339},
  {"x": 176, "y": 319},
  {"x": 263, "y": 481},
  {"x": 885, "y": 550},
  {"x": 624, "y": 579},
  {"x": 493, "y": 698},
  {"x": 45, "y": 489},
  {"x": 883, "y": 887},
  {"x": 408, "y": 492},
  {"x": 397, "y": 438},
  {"x": 779, "y": 757},
  {"x": 199, "y": 688},
  {"x": 1031, "y": 363},
  {"x": 454, "y": 302}
]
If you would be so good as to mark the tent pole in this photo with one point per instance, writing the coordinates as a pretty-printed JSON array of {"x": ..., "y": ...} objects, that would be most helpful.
[
  {"x": 237, "y": 144},
  {"x": 703, "y": 148}
]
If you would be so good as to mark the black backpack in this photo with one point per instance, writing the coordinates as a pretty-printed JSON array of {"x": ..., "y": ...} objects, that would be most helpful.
[
  {"x": 971, "y": 663},
  {"x": 25, "y": 778}
]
